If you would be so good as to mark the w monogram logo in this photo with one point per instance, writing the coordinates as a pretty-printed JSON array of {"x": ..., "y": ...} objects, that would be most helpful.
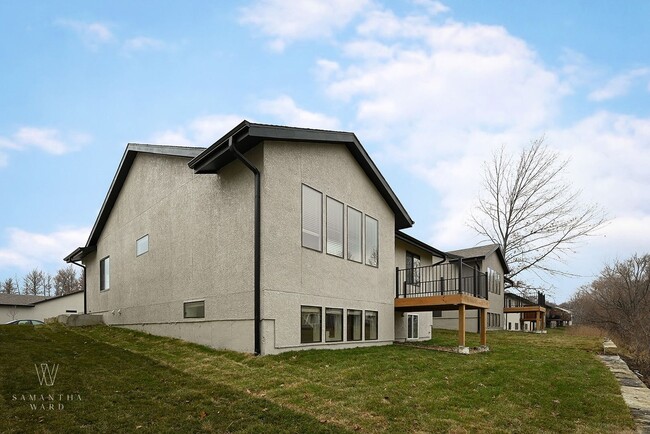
[{"x": 46, "y": 374}]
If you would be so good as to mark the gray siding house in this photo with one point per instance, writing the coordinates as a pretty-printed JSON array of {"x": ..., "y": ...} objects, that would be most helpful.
[{"x": 272, "y": 239}]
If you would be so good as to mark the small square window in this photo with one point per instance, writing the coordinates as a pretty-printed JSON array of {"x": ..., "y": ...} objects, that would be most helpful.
[
  {"x": 142, "y": 245},
  {"x": 194, "y": 309}
]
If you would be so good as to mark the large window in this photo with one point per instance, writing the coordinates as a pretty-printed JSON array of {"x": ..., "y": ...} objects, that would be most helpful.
[
  {"x": 494, "y": 281},
  {"x": 412, "y": 268},
  {"x": 194, "y": 309},
  {"x": 142, "y": 245},
  {"x": 354, "y": 325},
  {"x": 312, "y": 218},
  {"x": 372, "y": 325},
  {"x": 413, "y": 326},
  {"x": 372, "y": 242},
  {"x": 310, "y": 324},
  {"x": 334, "y": 227},
  {"x": 105, "y": 273},
  {"x": 354, "y": 235},
  {"x": 333, "y": 325}
]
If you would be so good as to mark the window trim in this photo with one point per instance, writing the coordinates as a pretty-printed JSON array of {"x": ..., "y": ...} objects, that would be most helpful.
[
  {"x": 365, "y": 241},
  {"x": 102, "y": 273},
  {"x": 327, "y": 231},
  {"x": 347, "y": 232},
  {"x": 194, "y": 301},
  {"x": 302, "y": 220},
  {"x": 365, "y": 337},
  {"x": 136, "y": 245},
  {"x": 347, "y": 325},
  {"x": 320, "y": 309},
  {"x": 342, "y": 323}
]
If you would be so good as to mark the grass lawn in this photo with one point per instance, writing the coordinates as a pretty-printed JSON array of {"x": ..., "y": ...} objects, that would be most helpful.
[{"x": 130, "y": 381}]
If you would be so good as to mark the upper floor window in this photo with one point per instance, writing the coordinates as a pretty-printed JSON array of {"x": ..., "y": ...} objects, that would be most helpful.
[
  {"x": 412, "y": 268},
  {"x": 312, "y": 218},
  {"x": 105, "y": 273},
  {"x": 354, "y": 234},
  {"x": 142, "y": 245},
  {"x": 372, "y": 242},
  {"x": 334, "y": 210}
]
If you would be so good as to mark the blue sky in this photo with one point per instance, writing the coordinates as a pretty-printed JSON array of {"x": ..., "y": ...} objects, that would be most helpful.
[{"x": 430, "y": 89}]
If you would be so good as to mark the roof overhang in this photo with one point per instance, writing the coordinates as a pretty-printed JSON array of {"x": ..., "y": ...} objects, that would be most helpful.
[
  {"x": 422, "y": 245},
  {"x": 247, "y": 135}
]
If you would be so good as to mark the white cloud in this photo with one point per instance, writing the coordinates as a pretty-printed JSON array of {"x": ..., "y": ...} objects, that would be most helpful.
[
  {"x": 92, "y": 34},
  {"x": 202, "y": 131},
  {"x": 285, "y": 110},
  {"x": 287, "y": 21},
  {"x": 619, "y": 85},
  {"x": 142, "y": 43},
  {"x": 25, "y": 250},
  {"x": 433, "y": 7},
  {"x": 49, "y": 140}
]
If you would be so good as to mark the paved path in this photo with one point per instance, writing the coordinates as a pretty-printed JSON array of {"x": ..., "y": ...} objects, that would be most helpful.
[{"x": 635, "y": 393}]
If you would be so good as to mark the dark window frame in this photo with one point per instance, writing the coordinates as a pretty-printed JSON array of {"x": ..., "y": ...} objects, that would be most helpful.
[
  {"x": 327, "y": 231},
  {"x": 342, "y": 322},
  {"x": 365, "y": 325},
  {"x": 412, "y": 277},
  {"x": 194, "y": 302},
  {"x": 102, "y": 273},
  {"x": 136, "y": 245},
  {"x": 302, "y": 219},
  {"x": 349, "y": 331},
  {"x": 365, "y": 240},
  {"x": 320, "y": 325},
  {"x": 347, "y": 232}
]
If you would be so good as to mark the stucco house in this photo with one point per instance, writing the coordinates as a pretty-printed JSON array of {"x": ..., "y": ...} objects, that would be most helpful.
[
  {"x": 21, "y": 306},
  {"x": 524, "y": 315},
  {"x": 272, "y": 239},
  {"x": 489, "y": 261}
]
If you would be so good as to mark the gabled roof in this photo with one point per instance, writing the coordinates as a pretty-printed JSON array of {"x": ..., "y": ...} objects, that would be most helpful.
[
  {"x": 132, "y": 149},
  {"x": 519, "y": 297},
  {"x": 20, "y": 299},
  {"x": 247, "y": 135},
  {"x": 58, "y": 296},
  {"x": 481, "y": 252},
  {"x": 422, "y": 245}
]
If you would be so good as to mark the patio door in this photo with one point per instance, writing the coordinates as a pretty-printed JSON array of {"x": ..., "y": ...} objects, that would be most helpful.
[{"x": 413, "y": 326}]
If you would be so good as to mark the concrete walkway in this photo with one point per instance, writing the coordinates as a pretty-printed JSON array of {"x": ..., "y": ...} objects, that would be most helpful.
[{"x": 635, "y": 393}]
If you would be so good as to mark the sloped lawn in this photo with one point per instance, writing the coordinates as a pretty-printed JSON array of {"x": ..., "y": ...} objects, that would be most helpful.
[{"x": 128, "y": 381}]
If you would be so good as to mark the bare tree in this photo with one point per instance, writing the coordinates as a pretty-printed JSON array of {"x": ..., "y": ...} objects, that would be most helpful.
[
  {"x": 9, "y": 286},
  {"x": 65, "y": 281},
  {"x": 532, "y": 212},
  {"x": 33, "y": 282},
  {"x": 47, "y": 284}
]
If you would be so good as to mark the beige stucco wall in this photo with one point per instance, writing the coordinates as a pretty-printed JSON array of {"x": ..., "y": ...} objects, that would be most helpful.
[
  {"x": 449, "y": 319},
  {"x": 73, "y": 303},
  {"x": 200, "y": 231},
  {"x": 10, "y": 313},
  {"x": 293, "y": 275}
]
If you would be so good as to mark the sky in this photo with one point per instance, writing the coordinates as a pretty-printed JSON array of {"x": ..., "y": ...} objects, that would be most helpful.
[{"x": 430, "y": 88}]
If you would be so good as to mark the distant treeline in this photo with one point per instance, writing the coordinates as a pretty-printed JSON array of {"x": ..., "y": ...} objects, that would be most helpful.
[{"x": 37, "y": 282}]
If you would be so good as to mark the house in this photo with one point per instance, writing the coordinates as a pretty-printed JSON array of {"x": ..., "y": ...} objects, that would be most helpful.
[
  {"x": 523, "y": 314},
  {"x": 18, "y": 306},
  {"x": 272, "y": 239},
  {"x": 488, "y": 264},
  {"x": 557, "y": 316}
]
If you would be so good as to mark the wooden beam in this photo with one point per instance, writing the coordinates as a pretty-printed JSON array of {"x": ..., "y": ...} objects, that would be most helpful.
[
  {"x": 537, "y": 325},
  {"x": 461, "y": 325},
  {"x": 483, "y": 319}
]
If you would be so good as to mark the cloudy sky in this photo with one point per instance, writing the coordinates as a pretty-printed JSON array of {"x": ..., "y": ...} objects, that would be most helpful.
[{"x": 430, "y": 89}]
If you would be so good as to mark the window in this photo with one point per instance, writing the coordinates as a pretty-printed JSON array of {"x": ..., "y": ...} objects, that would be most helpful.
[
  {"x": 310, "y": 324},
  {"x": 372, "y": 242},
  {"x": 105, "y": 273},
  {"x": 142, "y": 245},
  {"x": 413, "y": 327},
  {"x": 333, "y": 325},
  {"x": 334, "y": 210},
  {"x": 354, "y": 235},
  {"x": 194, "y": 309},
  {"x": 354, "y": 325},
  {"x": 312, "y": 218},
  {"x": 509, "y": 325},
  {"x": 412, "y": 268},
  {"x": 371, "y": 325},
  {"x": 437, "y": 314},
  {"x": 516, "y": 326}
]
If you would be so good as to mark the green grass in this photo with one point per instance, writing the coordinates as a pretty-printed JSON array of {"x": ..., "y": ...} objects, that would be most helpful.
[{"x": 130, "y": 381}]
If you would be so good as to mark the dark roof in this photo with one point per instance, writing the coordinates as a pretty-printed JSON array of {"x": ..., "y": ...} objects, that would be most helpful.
[
  {"x": 519, "y": 297},
  {"x": 20, "y": 299},
  {"x": 481, "y": 252},
  {"x": 247, "y": 135},
  {"x": 422, "y": 245},
  {"x": 132, "y": 149},
  {"x": 58, "y": 296}
]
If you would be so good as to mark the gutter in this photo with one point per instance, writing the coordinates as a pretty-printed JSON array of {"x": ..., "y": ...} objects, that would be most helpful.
[
  {"x": 85, "y": 284},
  {"x": 257, "y": 213}
]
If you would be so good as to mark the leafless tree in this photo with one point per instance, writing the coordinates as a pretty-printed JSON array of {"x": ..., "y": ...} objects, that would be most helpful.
[
  {"x": 11, "y": 313},
  {"x": 33, "y": 282},
  {"x": 47, "y": 284},
  {"x": 65, "y": 281},
  {"x": 9, "y": 286},
  {"x": 530, "y": 209}
]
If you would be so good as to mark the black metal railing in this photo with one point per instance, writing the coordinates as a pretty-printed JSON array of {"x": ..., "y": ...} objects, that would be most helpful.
[{"x": 450, "y": 278}]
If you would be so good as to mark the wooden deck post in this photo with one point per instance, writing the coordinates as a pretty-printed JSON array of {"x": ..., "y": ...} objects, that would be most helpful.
[
  {"x": 543, "y": 320},
  {"x": 483, "y": 319},
  {"x": 461, "y": 325},
  {"x": 537, "y": 322}
]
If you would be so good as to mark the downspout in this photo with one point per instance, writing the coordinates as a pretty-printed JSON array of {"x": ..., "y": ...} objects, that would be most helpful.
[
  {"x": 85, "y": 283},
  {"x": 258, "y": 292}
]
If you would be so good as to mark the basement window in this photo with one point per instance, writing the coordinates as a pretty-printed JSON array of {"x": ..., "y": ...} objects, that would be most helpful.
[
  {"x": 194, "y": 309},
  {"x": 310, "y": 324},
  {"x": 372, "y": 325}
]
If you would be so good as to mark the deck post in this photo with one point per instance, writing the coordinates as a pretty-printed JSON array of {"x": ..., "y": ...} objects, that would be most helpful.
[
  {"x": 461, "y": 325},
  {"x": 483, "y": 319},
  {"x": 543, "y": 320},
  {"x": 537, "y": 325}
]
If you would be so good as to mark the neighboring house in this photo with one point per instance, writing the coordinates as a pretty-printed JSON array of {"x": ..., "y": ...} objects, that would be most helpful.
[
  {"x": 489, "y": 263},
  {"x": 15, "y": 306},
  {"x": 272, "y": 239},
  {"x": 523, "y": 314},
  {"x": 557, "y": 316}
]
